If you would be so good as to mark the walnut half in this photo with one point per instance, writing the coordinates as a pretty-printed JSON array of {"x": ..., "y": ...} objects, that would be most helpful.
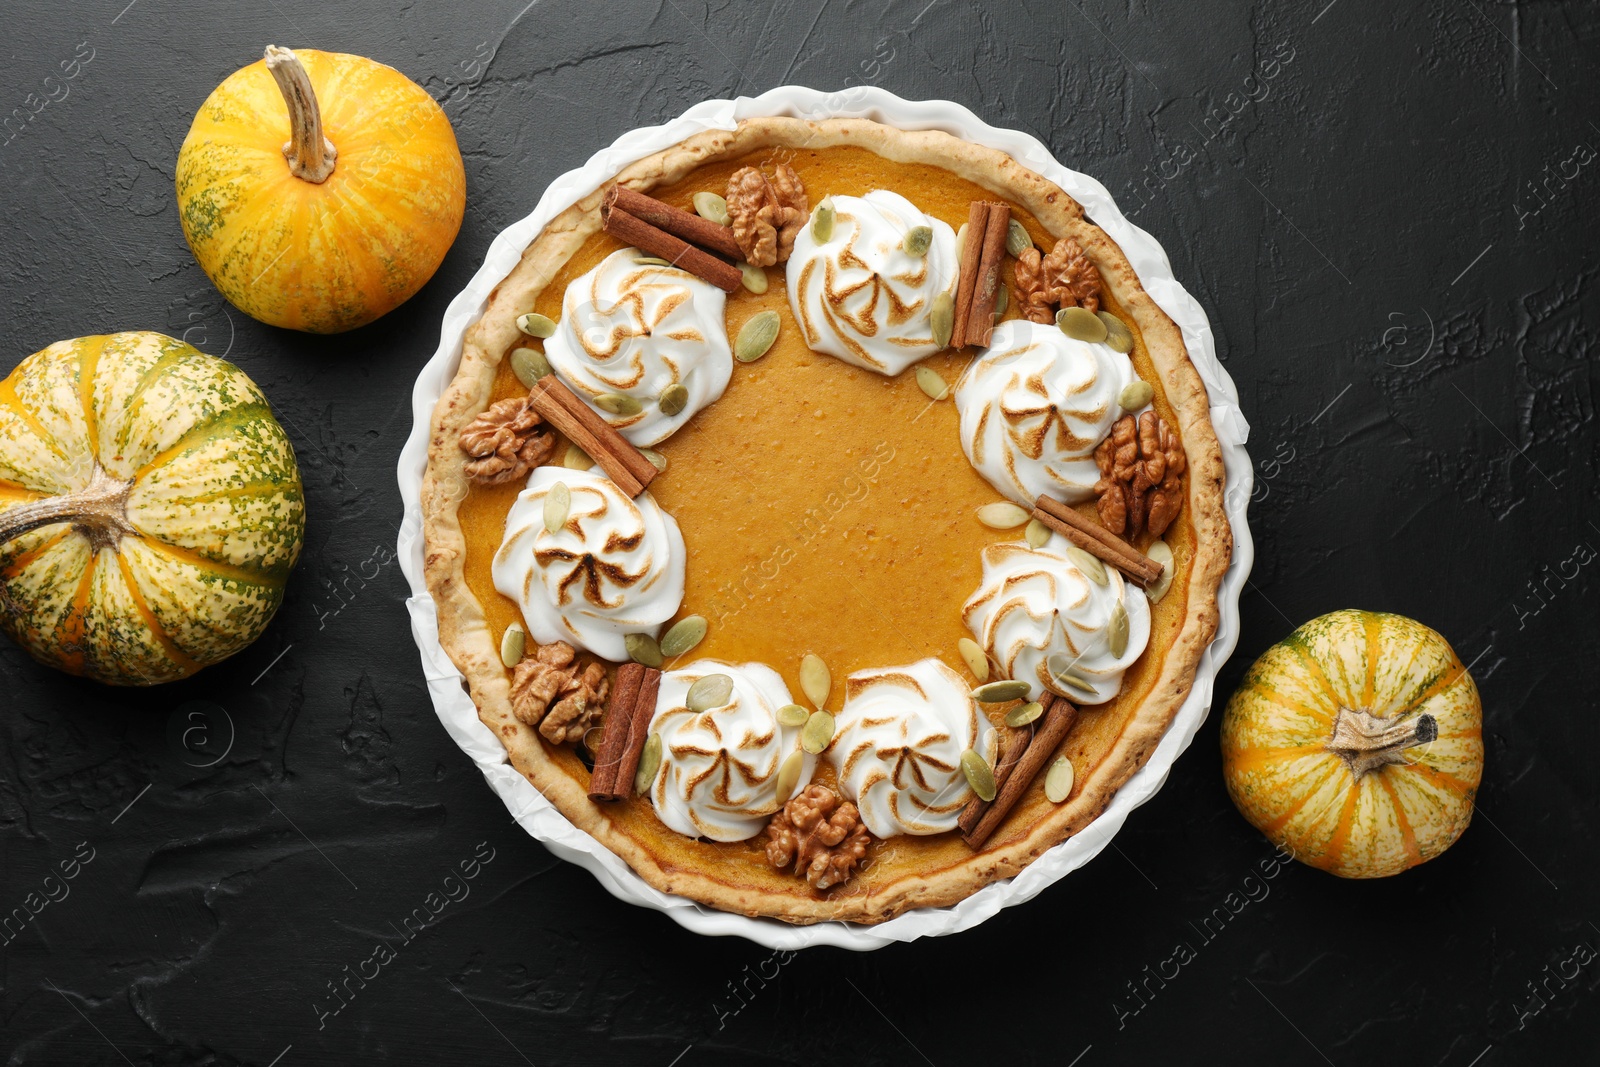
[
  {"x": 821, "y": 834},
  {"x": 766, "y": 213},
  {"x": 560, "y": 696},
  {"x": 1141, "y": 476},
  {"x": 506, "y": 442},
  {"x": 1064, "y": 278}
]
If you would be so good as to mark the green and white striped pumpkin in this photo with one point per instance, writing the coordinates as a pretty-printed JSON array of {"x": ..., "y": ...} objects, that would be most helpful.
[
  {"x": 150, "y": 508},
  {"x": 1356, "y": 744}
]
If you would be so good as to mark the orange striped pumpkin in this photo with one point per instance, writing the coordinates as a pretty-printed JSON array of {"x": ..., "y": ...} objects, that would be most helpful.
[
  {"x": 1356, "y": 744},
  {"x": 320, "y": 190},
  {"x": 150, "y": 508}
]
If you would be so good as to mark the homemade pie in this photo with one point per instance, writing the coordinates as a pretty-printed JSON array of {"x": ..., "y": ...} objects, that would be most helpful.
[{"x": 775, "y": 618}]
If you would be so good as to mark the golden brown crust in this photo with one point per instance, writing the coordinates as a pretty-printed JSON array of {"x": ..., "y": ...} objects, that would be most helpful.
[{"x": 466, "y": 637}]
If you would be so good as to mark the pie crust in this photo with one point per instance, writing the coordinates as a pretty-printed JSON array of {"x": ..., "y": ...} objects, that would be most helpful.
[{"x": 470, "y": 643}]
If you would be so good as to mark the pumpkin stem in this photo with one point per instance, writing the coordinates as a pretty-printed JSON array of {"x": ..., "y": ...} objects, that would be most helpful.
[
  {"x": 99, "y": 511},
  {"x": 311, "y": 155},
  {"x": 1367, "y": 742}
]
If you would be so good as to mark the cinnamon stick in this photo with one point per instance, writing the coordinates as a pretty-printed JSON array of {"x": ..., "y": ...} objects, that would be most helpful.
[
  {"x": 1015, "y": 746},
  {"x": 1096, "y": 540},
  {"x": 1053, "y": 727},
  {"x": 586, "y": 428},
  {"x": 619, "y": 721},
  {"x": 966, "y": 279},
  {"x": 986, "y": 286},
  {"x": 676, "y": 221},
  {"x": 644, "y": 709},
  {"x": 632, "y": 230}
]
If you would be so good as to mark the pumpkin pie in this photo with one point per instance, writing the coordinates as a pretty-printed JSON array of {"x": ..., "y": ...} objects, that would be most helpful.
[{"x": 825, "y": 519}]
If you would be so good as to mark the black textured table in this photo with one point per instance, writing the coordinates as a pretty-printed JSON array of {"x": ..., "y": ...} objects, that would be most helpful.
[{"x": 1387, "y": 211}]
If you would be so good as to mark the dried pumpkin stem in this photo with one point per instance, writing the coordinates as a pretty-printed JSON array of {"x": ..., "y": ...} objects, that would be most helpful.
[
  {"x": 99, "y": 510},
  {"x": 1367, "y": 742},
  {"x": 311, "y": 156}
]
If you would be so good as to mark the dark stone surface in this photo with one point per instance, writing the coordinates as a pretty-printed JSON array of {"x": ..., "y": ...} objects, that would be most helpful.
[{"x": 1412, "y": 328}]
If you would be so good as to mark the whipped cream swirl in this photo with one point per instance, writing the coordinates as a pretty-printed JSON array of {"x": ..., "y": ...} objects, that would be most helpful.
[
  {"x": 1033, "y": 408},
  {"x": 719, "y": 768},
  {"x": 614, "y": 567},
  {"x": 636, "y": 330},
  {"x": 861, "y": 296},
  {"x": 898, "y": 743},
  {"x": 1046, "y": 622}
]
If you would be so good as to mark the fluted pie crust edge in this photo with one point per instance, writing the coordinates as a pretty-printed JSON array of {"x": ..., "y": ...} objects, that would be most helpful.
[{"x": 466, "y": 636}]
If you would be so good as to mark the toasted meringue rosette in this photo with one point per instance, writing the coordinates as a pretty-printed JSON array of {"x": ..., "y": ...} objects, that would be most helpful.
[
  {"x": 898, "y": 744},
  {"x": 1033, "y": 408},
  {"x": 860, "y": 295},
  {"x": 613, "y": 566},
  {"x": 1043, "y": 620},
  {"x": 719, "y": 767},
  {"x": 636, "y": 330}
]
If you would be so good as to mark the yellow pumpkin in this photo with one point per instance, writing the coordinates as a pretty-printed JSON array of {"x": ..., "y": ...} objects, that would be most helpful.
[
  {"x": 1356, "y": 744},
  {"x": 320, "y": 190},
  {"x": 150, "y": 508}
]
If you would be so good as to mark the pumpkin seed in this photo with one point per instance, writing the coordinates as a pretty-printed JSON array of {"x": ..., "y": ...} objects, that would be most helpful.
[
  {"x": 536, "y": 325},
  {"x": 1017, "y": 239},
  {"x": 789, "y": 775},
  {"x": 792, "y": 715},
  {"x": 1135, "y": 395},
  {"x": 979, "y": 775},
  {"x": 1161, "y": 552},
  {"x": 1000, "y": 692},
  {"x": 1074, "y": 680},
  {"x": 512, "y": 645},
  {"x": 1081, "y": 324},
  {"x": 1118, "y": 336},
  {"x": 557, "y": 506},
  {"x": 652, "y": 261},
  {"x": 961, "y": 241},
  {"x": 684, "y": 635},
  {"x": 817, "y": 733},
  {"x": 576, "y": 459},
  {"x": 1002, "y": 515},
  {"x": 756, "y": 336},
  {"x": 712, "y": 691},
  {"x": 649, "y": 764},
  {"x": 1117, "y": 631},
  {"x": 942, "y": 318},
  {"x": 1002, "y": 300},
  {"x": 822, "y": 222},
  {"x": 1058, "y": 780},
  {"x": 711, "y": 207},
  {"x": 755, "y": 279},
  {"x": 929, "y": 381},
  {"x": 976, "y": 661},
  {"x": 618, "y": 404},
  {"x": 1060, "y": 665},
  {"x": 815, "y": 679},
  {"x": 642, "y": 648},
  {"x": 1037, "y": 533},
  {"x": 529, "y": 365},
  {"x": 917, "y": 241},
  {"x": 674, "y": 398},
  {"x": 1091, "y": 567},
  {"x": 1023, "y": 714},
  {"x": 656, "y": 458}
]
